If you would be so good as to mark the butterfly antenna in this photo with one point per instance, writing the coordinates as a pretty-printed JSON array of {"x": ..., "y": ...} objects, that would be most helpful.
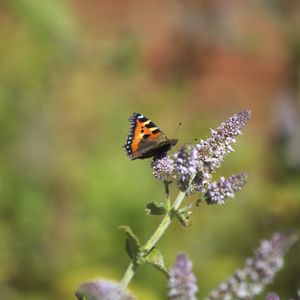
[
  {"x": 194, "y": 139},
  {"x": 177, "y": 129}
]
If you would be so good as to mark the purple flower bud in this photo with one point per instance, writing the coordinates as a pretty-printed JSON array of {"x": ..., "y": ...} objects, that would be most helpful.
[
  {"x": 258, "y": 271},
  {"x": 182, "y": 282},
  {"x": 193, "y": 165},
  {"x": 217, "y": 192},
  {"x": 102, "y": 290},
  {"x": 214, "y": 149},
  {"x": 187, "y": 164},
  {"x": 272, "y": 296},
  {"x": 163, "y": 168}
]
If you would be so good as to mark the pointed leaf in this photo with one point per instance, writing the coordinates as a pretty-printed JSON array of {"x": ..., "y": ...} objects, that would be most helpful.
[
  {"x": 133, "y": 245},
  {"x": 156, "y": 259},
  {"x": 183, "y": 215},
  {"x": 154, "y": 208}
]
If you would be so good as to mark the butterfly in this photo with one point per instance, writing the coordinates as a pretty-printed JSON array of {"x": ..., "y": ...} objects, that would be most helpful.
[{"x": 145, "y": 139}]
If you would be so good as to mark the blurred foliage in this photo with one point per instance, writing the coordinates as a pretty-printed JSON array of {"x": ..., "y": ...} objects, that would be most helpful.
[{"x": 71, "y": 73}]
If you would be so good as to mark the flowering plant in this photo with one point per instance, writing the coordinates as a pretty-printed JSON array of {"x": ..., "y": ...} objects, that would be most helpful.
[{"x": 192, "y": 168}]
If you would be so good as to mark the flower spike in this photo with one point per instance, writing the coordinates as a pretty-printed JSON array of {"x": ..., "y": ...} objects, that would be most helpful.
[
  {"x": 217, "y": 192},
  {"x": 258, "y": 270},
  {"x": 182, "y": 282}
]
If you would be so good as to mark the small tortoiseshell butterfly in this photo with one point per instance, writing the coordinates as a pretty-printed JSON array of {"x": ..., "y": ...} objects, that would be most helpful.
[{"x": 145, "y": 139}]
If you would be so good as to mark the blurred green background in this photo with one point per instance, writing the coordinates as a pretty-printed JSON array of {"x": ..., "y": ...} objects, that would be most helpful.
[{"x": 71, "y": 74}]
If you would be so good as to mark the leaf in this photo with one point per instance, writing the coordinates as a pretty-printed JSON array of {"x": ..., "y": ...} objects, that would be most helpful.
[
  {"x": 132, "y": 245},
  {"x": 183, "y": 215},
  {"x": 154, "y": 208},
  {"x": 156, "y": 259}
]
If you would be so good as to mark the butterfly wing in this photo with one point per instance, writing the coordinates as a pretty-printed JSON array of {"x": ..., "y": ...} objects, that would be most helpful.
[{"x": 145, "y": 139}]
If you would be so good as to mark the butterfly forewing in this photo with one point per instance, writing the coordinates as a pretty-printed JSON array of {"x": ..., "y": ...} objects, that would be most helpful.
[{"x": 145, "y": 139}]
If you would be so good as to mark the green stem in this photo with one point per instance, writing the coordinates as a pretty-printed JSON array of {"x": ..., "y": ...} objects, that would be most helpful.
[
  {"x": 167, "y": 190},
  {"x": 128, "y": 275},
  {"x": 164, "y": 224},
  {"x": 162, "y": 227}
]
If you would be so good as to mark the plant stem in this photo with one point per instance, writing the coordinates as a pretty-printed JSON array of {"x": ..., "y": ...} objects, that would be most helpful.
[
  {"x": 164, "y": 224},
  {"x": 128, "y": 275},
  {"x": 162, "y": 227},
  {"x": 167, "y": 191}
]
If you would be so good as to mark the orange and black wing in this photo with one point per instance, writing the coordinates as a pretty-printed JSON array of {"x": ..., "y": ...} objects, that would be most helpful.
[{"x": 144, "y": 137}]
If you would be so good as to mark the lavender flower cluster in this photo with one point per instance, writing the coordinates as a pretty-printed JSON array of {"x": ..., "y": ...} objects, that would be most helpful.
[
  {"x": 258, "y": 271},
  {"x": 102, "y": 289},
  {"x": 217, "y": 192},
  {"x": 274, "y": 296},
  {"x": 182, "y": 282},
  {"x": 246, "y": 283},
  {"x": 187, "y": 165},
  {"x": 218, "y": 145},
  {"x": 193, "y": 165}
]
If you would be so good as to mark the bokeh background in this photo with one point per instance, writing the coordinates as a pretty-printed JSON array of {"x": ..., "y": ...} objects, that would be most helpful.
[{"x": 71, "y": 74}]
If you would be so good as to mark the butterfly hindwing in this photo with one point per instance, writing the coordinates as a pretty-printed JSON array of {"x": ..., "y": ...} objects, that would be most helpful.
[{"x": 145, "y": 139}]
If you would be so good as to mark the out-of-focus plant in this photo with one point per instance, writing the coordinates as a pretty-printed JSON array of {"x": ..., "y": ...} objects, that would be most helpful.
[
  {"x": 274, "y": 296},
  {"x": 50, "y": 18},
  {"x": 192, "y": 169},
  {"x": 258, "y": 271}
]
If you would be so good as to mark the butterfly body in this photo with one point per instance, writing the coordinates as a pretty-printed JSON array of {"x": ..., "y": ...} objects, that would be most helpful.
[{"x": 145, "y": 139}]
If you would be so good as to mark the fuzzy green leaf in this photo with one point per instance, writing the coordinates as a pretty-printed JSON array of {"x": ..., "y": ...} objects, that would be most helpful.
[
  {"x": 154, "y": 208},
  {"x": 183, "y": 215},
  {"x": 132, "y": 245},
  {"x": 156, "y": 259}
]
